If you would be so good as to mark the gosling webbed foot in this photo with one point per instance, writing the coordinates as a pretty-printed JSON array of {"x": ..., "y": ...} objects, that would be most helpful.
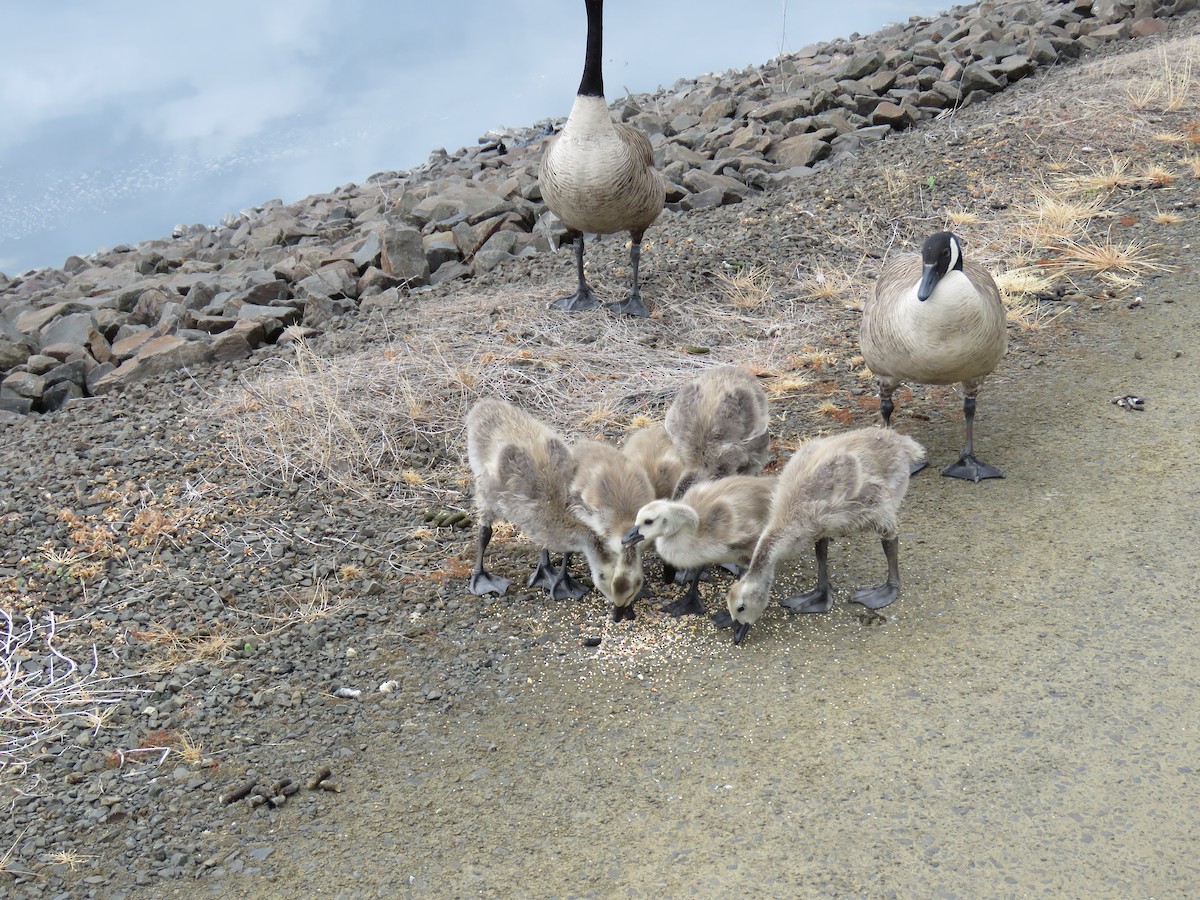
[
  {"x": 733, "y": 569},
  {"x": 877, "y": 597},
  {"x": 581, "y": 301},
  {"x": 567, "y": 588},
  {"x": 630, "y": 306},
  {"x": 919, "y": 466},
  {"x": 970, "y": 468},
  {"x": 818, "y": 600},
  {"x": 722, "y": 619},
  {"x": 621, "y": 613},
  {"x": 689, "y": 604},
  {"x": 543, "y": 576},
  {"x": 484, "y": 582}
]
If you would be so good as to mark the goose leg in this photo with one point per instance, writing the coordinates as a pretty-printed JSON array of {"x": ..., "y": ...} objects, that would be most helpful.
[
  {"x": 583, "y": 298},
  {"x": 565, "y": 587},
  {"x": 886, "y": 408},
  {"x": 633, "y": 305},
  {"x": 820, "y": 598},
  {"x": 543, "y": 576},
  {"x": 889, "y": 591},
  {"x": 690, "y": 603},
  {"x": 482, "y": 581},
  {"x": 968, "y": 466},
  {"x": 669, "y": 573}
]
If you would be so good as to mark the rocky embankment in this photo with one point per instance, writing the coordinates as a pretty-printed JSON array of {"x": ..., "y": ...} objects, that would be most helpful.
[{"x": 275, "y": 273}]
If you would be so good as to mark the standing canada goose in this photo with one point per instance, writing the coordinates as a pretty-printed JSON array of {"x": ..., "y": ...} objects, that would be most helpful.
[
  {"x": 936, "y": 318},
  {"x": 523, "y": 474},
  {"x": 718, "y": 423},
  {"x": 609, "y": 489},
  {"x": 715, "y": 522},
  {"x": 831, "y": 486},
  {"x": 599, "y": 177},
  {"x": 652, "y": 449}
]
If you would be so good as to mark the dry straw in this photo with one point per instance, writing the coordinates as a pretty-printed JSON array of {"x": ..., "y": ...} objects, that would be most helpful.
[{"x": 373, "y": 423}]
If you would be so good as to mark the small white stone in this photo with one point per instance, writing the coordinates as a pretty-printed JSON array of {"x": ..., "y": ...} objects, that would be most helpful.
[
  {"x": 351, "y": 653},
  {"x": 388, "y": 686}
]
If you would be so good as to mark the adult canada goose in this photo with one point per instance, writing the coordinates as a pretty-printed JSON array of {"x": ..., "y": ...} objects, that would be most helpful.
[
  {"x": 718, "y": 423},
  {"x": 936, "y": 318},
  {"x": 523, "y": 474},
  {"x": 831, "y": 486},
  {"x": 599, "y": 177},
  {"x": 608, "y": 490},
  {"x": 715, "y": 522},
  {"x": 652, "y": 449}
]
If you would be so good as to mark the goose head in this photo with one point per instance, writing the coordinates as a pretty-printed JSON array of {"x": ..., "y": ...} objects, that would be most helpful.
[
  {"x": 747, "y": 601},
  {"x": 941, "y": 253},
  {"x": 661, "y": 518}
]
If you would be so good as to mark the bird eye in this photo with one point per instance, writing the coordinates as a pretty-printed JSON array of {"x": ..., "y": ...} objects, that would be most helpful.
[{"x": 741, "y": 607}]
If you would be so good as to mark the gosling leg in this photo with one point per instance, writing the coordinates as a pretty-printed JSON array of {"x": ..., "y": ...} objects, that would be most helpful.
[
  {"x": 583, "y": 298},
  {"x": 543, "y": 576},
  {"x": 690, "y": 603},
  {"x": 632, "y": 305},
  {"x": 968, "y": 466},
  {"x": 889, "y": 591},
  {"x": 820, "y": 598},
  {"x": 482, "y": 581}
]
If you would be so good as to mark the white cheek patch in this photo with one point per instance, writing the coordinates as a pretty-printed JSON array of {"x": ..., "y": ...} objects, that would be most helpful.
[{"x": 954, "y": 254}]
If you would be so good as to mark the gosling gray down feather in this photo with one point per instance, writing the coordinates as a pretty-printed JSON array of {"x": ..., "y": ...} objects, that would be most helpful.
[
  {"x": 523, "y": 474},
  {"x": 831, "y": 486},
  {"x": 935, "y": 318},
  {"x": 718, "y": 423},
  {"x": 714, "y": 523},
  {"x": 609, "y": 489},
  {"x": 652, "y": 449}
]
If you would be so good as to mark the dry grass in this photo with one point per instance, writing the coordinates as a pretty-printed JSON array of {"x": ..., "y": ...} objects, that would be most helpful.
[
  {"x": 1116, "y": 174},
  {"x": 44, "y": 692},
  {"x": 1121, "y": 264},
  {"x": 1053, "y": 217},
  {"x": 961, "y": 218},
  {"x": 747, "y": 288},
  {"x": 379, "y": 424},
  {"x": 1020, "y": 290},
  {"x": 1168, "y": 90},
  {"x": 828, "y": 282}
]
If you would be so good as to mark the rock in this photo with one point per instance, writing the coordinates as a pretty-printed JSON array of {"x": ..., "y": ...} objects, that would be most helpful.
[
  {"x": 803, "y": 150},
  {"x": 1147, "y": 27},
  {"x": 896, "y": 116},
  {"x": 731, "y": 190},
  {"x": 859, "y": 65},
  {"x": 23, "y": 384},
  {"x": 403, "y": 255},
  {"x": 976, "y": 78},
  {"x": 12, "y": 353}
]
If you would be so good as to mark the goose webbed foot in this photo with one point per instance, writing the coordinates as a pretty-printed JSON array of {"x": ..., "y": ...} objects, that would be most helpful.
[
  {"x": 918, "y": 466},
  {"x": 818, "y": 600},
  {"x": 877, "y": 597},
  {"x": 722, "y": 619},
  {"x": 630, "y": 306},
  {"x": 689, "y": 604},
  {"x": 583, "y": 299},
  {"x": 970, "y": 468},
  {"x": 484, "y": 582}
]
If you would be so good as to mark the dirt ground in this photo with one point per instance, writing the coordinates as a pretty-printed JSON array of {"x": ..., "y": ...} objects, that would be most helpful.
[{"x": 1022, "y": 722}]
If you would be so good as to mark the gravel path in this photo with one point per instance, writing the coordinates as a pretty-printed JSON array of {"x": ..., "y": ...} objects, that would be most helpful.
[{"x": 1021, "y": 722}]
